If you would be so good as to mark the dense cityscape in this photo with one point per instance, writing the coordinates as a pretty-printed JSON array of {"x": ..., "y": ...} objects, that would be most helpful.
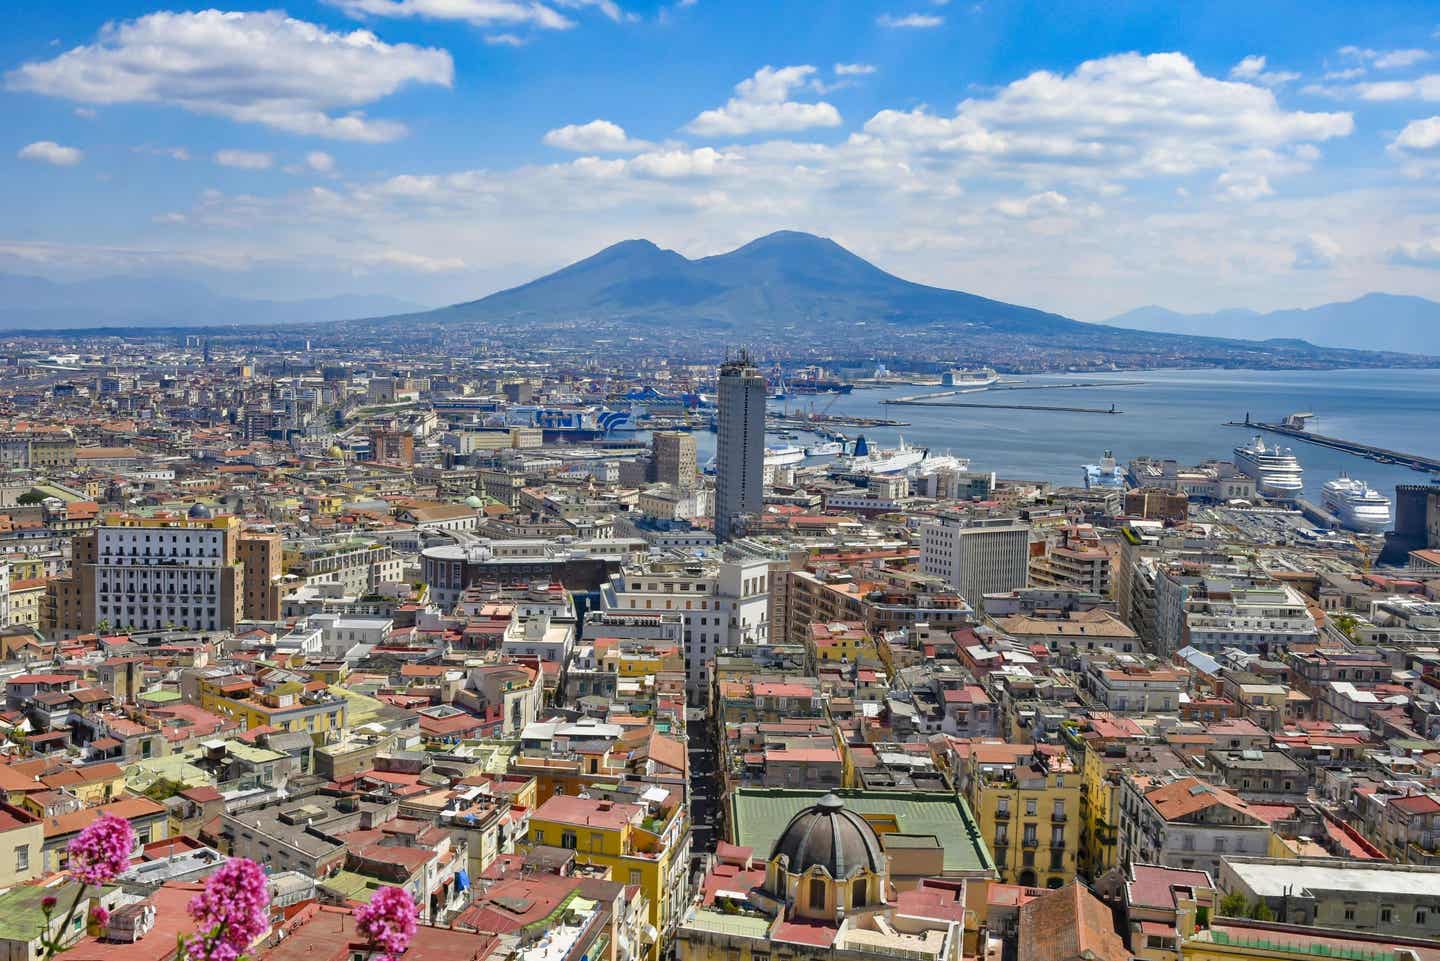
[{"x": 492, "y": 641}]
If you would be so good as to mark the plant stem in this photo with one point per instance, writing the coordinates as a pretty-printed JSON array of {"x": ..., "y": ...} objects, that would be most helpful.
[{"x": 54, "y": 946}]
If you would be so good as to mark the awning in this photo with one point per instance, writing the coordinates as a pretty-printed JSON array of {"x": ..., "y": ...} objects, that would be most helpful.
[{"x": 462, "y": 877}]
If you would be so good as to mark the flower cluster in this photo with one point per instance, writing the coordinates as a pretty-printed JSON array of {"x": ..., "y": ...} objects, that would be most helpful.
[
  {"x": 99, "y": 915},
  {"x": 388, "y": 921},
  {"x": 231, "y": 913},
  {"x": 101, "y": 851}
]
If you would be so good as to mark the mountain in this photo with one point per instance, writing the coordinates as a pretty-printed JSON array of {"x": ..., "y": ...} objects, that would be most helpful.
[
  {"x": 33, "y": 303},
  {"x": 781, "y": 279},
  {"x": 803, "y": 294},
  {"x": 1372, "y": 322}
]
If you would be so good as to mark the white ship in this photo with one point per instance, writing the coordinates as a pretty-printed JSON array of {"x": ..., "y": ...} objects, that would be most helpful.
[
  {"x": 938, "y": 462},
  {"x": 826, "y": 448},
  {"x": 784, "y": 456},
  {"x": 969, "y": 377},
  {"x": 1357, "y": 505},
  {"x": 866, "y": 461},
  {"x": 1105, "y": 475},
  {"x": 1275, "y": 469}
]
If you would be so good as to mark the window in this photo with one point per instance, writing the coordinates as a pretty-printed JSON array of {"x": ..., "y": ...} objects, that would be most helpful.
[
  {"x": 1030, "y": 806},
  {"x": 858, "y": 893},
  {"x": 634, "y": 876},
  {"x": 567, "y": 840},
  {"x": 1420, "y": 915},
  {"x": 1349, "y": 912},
  {"x": 817, "y": 894},
  {"x": 22, "y": 858}
]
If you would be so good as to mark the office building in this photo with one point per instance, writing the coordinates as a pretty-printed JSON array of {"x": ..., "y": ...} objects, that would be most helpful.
[
  {"x": 977, "y": 555},
  {"x": 740, "y": 444},
  {"x": 674, "y": 457}
]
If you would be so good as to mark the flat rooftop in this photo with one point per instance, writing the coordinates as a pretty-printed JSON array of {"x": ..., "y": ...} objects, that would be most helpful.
[
  {"x": 758, "y": 815},
  {"x": 1274, "y": 878}
]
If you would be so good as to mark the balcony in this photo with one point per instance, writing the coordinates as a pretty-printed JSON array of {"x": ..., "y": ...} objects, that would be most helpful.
[
  {"x": 1030, "y": 842},
  {"x": 1002, "y": 814},
  {"x": 1059, "y": 817}
]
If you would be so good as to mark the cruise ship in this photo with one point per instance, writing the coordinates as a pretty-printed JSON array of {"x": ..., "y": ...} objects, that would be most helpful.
[
  {"x": 1275, "y": 469},
  {"x": 1357, "y": 505},
  {"x": 825, "y": 448},
  {"x": 1105, "y": 475},
  {"x": 903, "y": 459},
  {"x": 784, "y": 456},
  {"x": 969, "y": 378}
]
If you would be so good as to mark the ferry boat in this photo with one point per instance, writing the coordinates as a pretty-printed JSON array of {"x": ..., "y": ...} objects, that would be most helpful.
[
  {"x": 826, "y": 448},
  {"x": 1105, "y": 475},
  {"x": 969, "y": 377},
  {"x": 1357, "y": 505},
  {"x": 1276, "y": 471},
  {"x": 573, "y": 422},
  {"x": 784, "y": 456}
]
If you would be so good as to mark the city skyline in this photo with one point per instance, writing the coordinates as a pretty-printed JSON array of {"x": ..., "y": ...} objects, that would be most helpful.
[{"x": 1085, "y": 162}]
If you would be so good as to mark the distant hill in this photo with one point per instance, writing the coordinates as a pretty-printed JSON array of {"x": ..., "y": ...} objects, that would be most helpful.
[
  {"x": 34, "y": 303},
  {"x": 1372, "y": 322},
  {"x": 799, "y": 292}
]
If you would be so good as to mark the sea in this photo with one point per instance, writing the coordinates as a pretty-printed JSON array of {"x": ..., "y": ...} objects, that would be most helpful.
[{"x": 1178, "y": 414}]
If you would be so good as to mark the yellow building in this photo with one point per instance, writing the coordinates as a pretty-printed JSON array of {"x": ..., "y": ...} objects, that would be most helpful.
[
  {"x": 642, "y": 661},
  {"x": 22, "y": 836},
  {"x": 841, "y": 642},
  {"x": 1099, "y": 813},
  {"x": 288, "y": 707},
  {"x": 1027, "y": 802},
  {"x": 642, "y": 845}
]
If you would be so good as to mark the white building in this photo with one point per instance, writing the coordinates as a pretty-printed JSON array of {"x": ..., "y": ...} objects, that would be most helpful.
[
  {"x": 723, "y": 603},
  {"x": 539, "y": 636},
  {"x": 152, "y": 574},
  {"x": 4, "y": 593},
  {"x": 977, "y": 555},
  {"x": 339, "y": 634}
]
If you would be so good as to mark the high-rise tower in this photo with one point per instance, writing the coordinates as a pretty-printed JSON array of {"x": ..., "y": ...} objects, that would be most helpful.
[{"x": 740, "y": 445}]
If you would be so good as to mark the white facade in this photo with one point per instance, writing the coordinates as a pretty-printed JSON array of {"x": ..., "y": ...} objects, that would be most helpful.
[
  {"x": 154, "y": 577},
  {"x": 977, "y": 556},
  {"x": 723, "y": 605},
  {"x": 4, "y": 593}
]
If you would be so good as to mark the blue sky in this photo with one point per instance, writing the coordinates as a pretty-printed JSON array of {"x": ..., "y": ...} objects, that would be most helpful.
[{"x": 1085, "y": 158}]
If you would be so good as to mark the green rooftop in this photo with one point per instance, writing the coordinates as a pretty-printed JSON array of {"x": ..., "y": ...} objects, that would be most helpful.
[
  {"x": 736, "y": 925},
  {"x": 758, "y": 815},
  {"x": 351, "y": 886},
  {"x": 159, "y": 697},
  {"x": 20, "y": 916}
]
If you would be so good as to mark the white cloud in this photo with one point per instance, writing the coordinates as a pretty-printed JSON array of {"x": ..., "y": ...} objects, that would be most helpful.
[
  {"x": 1424, "y": 253},
  {"x": 504, "y": 40},
  {"x": 406, "y": 260},
  {"x": 86, "y": 113},
  {"x": 320, "y": 161},
  {"x": 1385, "y": 59},
  {"x": 50, "y": 152},
  {"x": 1315, "y": 252},
  {"x": 1418, "y": 135},
  {"x": 1120, "y": 117},
  {"x": 244, "y": 159},
  {"x": 910, "y": 21},
  {"x": 1421, "y": 88},
  {"x": 174, "y": 153},
  {"x": 597, "y": 136},
  {"x": 1243, "y": 185},
  {"x": 480, "y": 13},
  {"x": 1036, "y": 205},
  {"x": 761, "y": 103},
  {"x": 854, "y": 69},
  {"x": 262, "y": 68},
  {"x": 1252, "y": 69}
]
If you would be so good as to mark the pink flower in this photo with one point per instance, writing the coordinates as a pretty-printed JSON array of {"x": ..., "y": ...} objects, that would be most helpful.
[
  {"x": 231, "y": 913},
  {"x": 47, "y": 903},
  {"x": 388, "y": 921},
  {"x": 98, "y": 915},
  {"x": 101, "y": 851}
]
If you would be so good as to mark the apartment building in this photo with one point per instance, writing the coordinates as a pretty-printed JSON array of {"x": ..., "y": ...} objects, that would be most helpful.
[
  {"x": 1027, "y": 803},
  {"x": 724, "y": 604},
  {"x": 1076, "y": 561}
]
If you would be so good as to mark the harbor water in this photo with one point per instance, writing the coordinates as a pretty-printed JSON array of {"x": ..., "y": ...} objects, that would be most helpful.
[{"x": 1179, "y": 414}]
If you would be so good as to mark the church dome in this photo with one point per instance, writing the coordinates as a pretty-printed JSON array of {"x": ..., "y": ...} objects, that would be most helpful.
[
  {"x": 199, "y": 512},
  {"x": 829, "y": 836}
]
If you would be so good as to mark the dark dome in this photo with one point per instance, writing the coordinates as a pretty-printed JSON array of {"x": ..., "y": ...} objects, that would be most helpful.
[
  {"x": 829, "y": 836},
  {"x": 199, "y": 511}
]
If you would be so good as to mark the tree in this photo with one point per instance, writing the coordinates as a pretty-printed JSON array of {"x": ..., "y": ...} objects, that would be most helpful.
[
  {"x": 1260, "y": 911},
  {"x": 1233, "y": 905},
  {"x": 29, "y": 498}
]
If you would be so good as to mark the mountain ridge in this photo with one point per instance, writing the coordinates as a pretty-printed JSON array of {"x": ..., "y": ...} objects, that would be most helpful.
[{"x": 1374, "y": 321}]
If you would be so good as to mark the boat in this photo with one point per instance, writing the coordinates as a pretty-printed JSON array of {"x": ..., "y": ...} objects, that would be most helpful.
[
  {"x": 585, "y": 422},
  {"x": 784, "y": 456},
  {"x": 1357, "y": 505},
  {"x": 865, "y": 461},
  {"x": 969, "y": 377},
  {"x": 826, "y": 448},
  {"x": 1106, "y": 475},
  {"x": 1276, "y": 472},
  {"x": 937, "y": 462}
]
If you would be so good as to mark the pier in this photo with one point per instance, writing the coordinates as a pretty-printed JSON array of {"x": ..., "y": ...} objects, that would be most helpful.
[
  {"x": 925, "y": 402},
  {"x": 956, "y": 391},
  {"x": 1380, "y": 455}
]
